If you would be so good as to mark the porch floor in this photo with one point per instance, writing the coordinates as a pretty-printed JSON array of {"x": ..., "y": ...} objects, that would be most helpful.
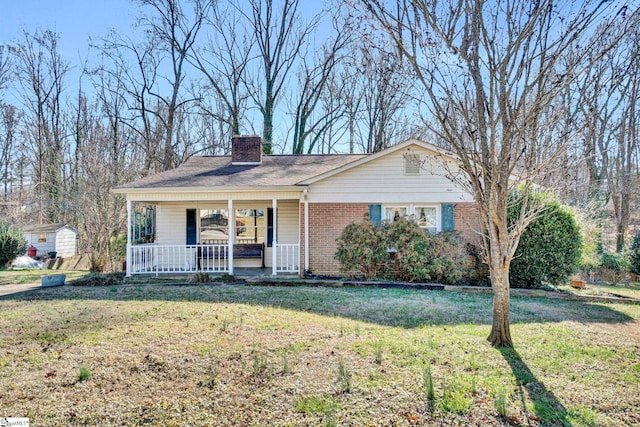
[{"x": 237, "y": 272}]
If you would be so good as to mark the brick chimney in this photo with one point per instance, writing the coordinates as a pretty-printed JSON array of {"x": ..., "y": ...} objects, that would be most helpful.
[{"x": 246, "y": 150}]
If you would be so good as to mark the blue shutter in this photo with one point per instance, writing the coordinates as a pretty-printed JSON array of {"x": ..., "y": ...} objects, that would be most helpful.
[
  {"x": 375, "y": 214},
  {"x": 448, "y": 217},
  {"x": 192, "y": 227},
  {"x": 269, "y": 227}
]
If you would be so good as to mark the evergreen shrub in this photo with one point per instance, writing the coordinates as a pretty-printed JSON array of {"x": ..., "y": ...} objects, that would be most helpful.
[
  {"x": 12, "y": 243},
  {"x": 634, "y": 255},
  {"x": 550, "y": 248}
]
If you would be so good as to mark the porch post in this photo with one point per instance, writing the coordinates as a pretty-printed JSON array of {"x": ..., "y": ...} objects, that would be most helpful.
[
  {"x": 274, "y": 244},
  {"x": 306, "y": 232},
  {"x": 232, "y": 233},
  {"x": 128, "y": 257}
]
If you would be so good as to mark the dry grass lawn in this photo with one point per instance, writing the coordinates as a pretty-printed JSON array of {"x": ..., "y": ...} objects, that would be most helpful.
[{"x": 301, "y": 356}]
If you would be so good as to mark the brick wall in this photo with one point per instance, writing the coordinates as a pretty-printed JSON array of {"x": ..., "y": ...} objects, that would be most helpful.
[
  {"x": 246, "y": 149},
  {"x": 327, "y": 220},
  {"x": 467, "y": 222}
]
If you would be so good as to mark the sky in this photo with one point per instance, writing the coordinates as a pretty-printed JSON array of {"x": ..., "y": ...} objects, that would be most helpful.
[{"x": 75, "y": 20}]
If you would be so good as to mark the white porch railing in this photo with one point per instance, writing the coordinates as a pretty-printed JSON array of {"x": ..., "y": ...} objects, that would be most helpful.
[
  {"x": 159, "y": 259},
  {"x": 167, "y": 259},
  {"x": 287, "y": 258}
]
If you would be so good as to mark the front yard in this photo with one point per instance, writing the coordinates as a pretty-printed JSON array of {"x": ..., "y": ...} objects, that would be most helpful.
[{"x": 298, "y": 356}]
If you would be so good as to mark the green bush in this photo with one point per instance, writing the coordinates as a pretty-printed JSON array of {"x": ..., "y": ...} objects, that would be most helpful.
[
  {"x": 361, "y": 249},
  {"x": 424, "y": 256},
  {"x": 418, "y": 256},
  {"x": 634, "y": 255},
  {"x": 12, "y": 243},
  {"x": 613, "y": 267},
  {"x": 550, "y": 248}
]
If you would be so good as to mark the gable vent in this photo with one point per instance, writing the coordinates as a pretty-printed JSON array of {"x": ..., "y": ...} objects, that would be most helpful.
[{"x": 412, "y": 163}]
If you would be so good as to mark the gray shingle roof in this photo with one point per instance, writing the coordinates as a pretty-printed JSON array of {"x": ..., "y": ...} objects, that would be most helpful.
[
  {"x": 44, "y": 228},
  {"x": 217, "y": 171}
]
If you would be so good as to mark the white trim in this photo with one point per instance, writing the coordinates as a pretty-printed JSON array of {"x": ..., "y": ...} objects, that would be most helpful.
[
  {"x": 129, "y": 206},
  {"x": 245, "y": 163},
  {"x": 297, "y": 189},
  {"x": 231, "y": 224},
  {"x": 306, "y": 231},
  {"x": 274, "y": 240}
]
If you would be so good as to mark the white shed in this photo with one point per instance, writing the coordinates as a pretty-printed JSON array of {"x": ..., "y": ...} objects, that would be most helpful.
[{"x": 59, "y": 238}]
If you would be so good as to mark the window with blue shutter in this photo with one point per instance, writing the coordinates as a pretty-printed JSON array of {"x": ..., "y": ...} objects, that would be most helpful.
[
  {"x": 448, "y": 217},
  {"x": 375, "y": 214}
]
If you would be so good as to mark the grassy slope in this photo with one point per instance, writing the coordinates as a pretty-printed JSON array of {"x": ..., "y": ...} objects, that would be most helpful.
[{"x": 236, "y": 355}]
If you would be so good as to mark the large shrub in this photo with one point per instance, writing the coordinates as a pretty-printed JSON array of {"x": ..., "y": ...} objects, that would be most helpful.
[
  {"x": 418, "y": 256},
  {"x": 361, "y": 249},
  {"x": 634, "y": 255},
  {"x": 12, "y": 243},
  {"x": 550, "y": 247},
  {"x": 424, "y": 256}
]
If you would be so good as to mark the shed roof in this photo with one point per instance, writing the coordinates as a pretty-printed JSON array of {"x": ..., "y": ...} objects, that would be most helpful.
[{"x": 46, "y": 228}]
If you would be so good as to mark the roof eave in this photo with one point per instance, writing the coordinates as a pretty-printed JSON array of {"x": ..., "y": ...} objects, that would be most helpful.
[
  {"x": 374, "y": 156},
  {"x": 230, "y": 189}
]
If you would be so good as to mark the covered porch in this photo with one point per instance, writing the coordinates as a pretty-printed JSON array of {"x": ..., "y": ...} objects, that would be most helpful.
[{"x": 216, "y": 233}]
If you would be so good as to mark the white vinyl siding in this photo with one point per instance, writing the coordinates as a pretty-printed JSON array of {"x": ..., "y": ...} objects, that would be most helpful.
[
  {"x": 171, "y": 223},
  {"x": 384, "y": 181},
  {"x": 65, "y": 244},
  {"x": 288, "y": 221}
]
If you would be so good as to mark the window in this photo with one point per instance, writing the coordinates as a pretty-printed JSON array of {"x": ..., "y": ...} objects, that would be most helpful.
[
  {"x": 214, "y": 226},
  {"x": 250, "y": 225},
  {"x": 42, "y": 238},
  {"x": 427, "y": 218},
  {"x": 391, "y": 213}
]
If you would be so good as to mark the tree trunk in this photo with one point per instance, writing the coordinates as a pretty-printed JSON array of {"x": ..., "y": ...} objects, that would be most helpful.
[
  {"x": 623, "y": 216},
  {"x": 500, "y": 335}
]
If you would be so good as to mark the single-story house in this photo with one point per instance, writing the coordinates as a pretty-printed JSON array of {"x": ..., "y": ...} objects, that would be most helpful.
[
  {"x": 60, "y": 238},
  {"x": 284, "y": 212}
]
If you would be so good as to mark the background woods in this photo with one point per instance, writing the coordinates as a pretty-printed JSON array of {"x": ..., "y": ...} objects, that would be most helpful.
[{"x": 341, "y": 77}]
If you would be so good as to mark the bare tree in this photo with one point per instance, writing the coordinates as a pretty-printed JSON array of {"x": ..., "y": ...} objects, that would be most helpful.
[
  {"x": 315, "y": 78},
  {"x": 174, "y": 32},
  {"x": 490, "y": 72},
  {"x": 127, "y": 72},
  {"x": 279, "y": 36},
  {"x": 41, "y": 72},
  {"x": 224, "y": 61},
  {"x": 625, "y": 156},
  {"x": 605, "y": 108},
  {"x": 384, "y": 91},
  {"x": 9, "y": 119}
]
